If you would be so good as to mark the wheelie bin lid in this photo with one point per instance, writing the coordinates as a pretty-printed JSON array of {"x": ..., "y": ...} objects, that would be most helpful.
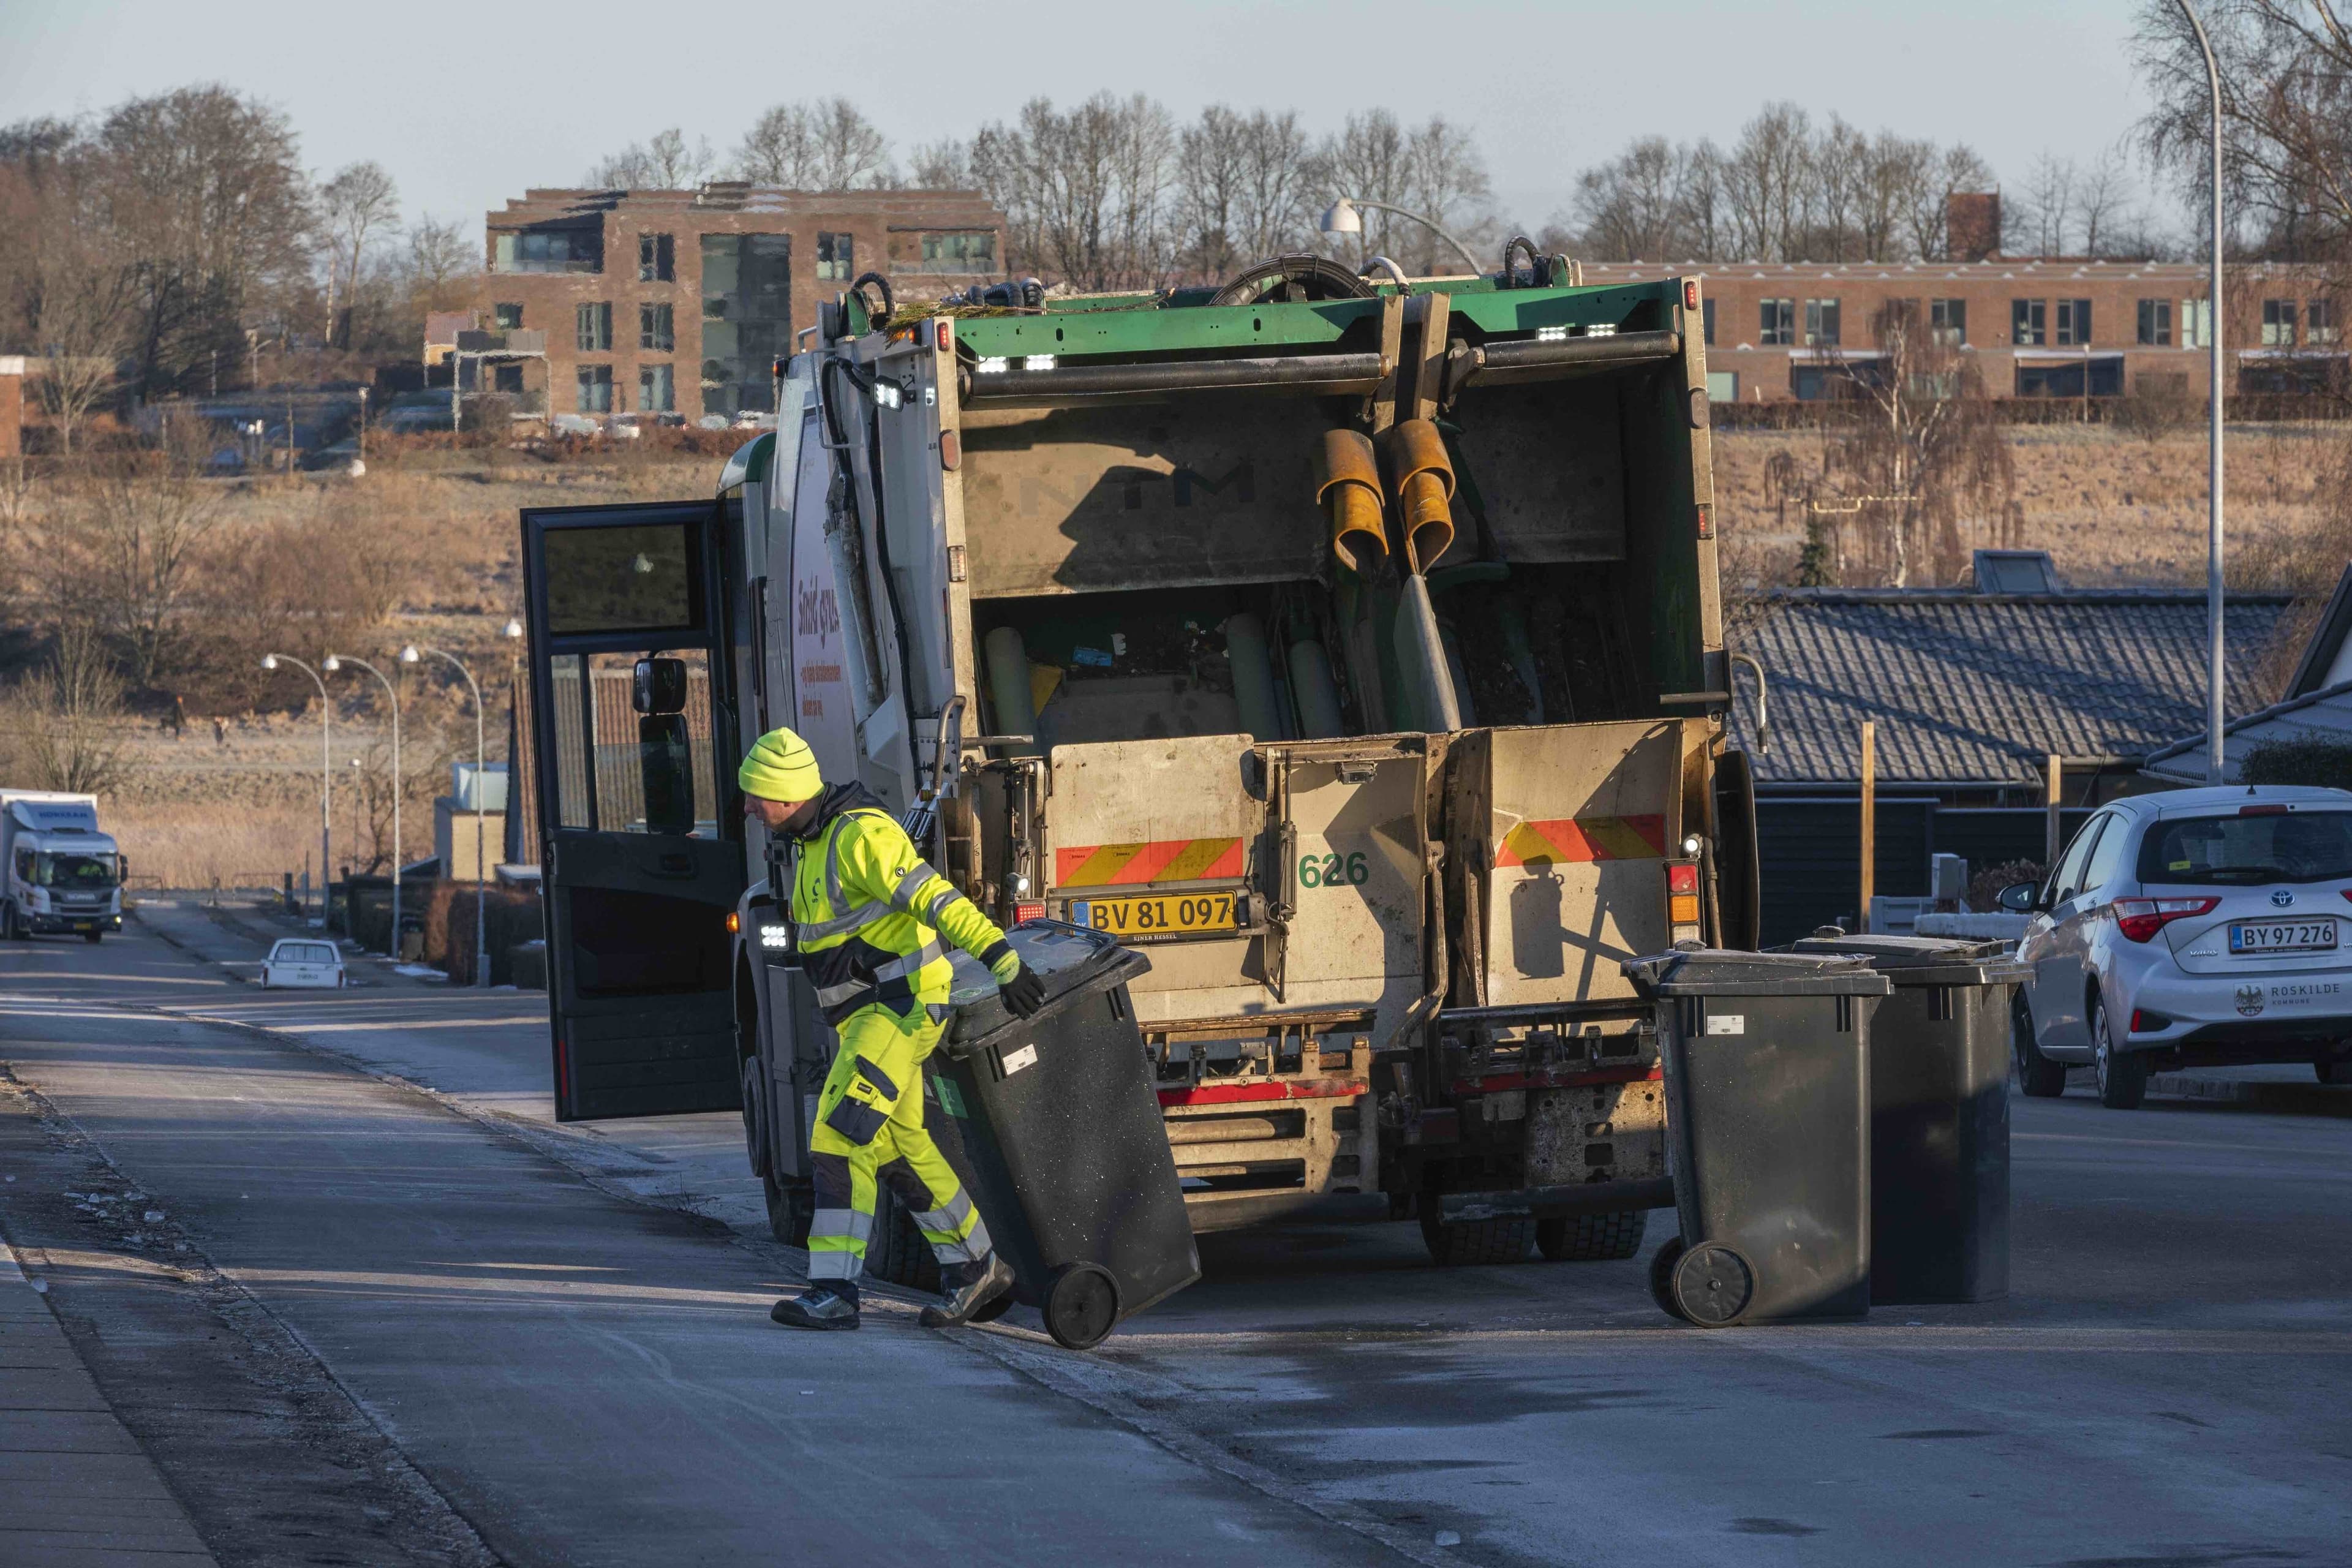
[
  {"x": 1071, "y": 961},
  {"x": 1923, "y": 959},
  {"x": 1718, "y": 971}
]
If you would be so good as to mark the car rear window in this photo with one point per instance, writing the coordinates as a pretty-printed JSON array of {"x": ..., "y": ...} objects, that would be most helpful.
[
  {"x": 306, "y": 952},
  {"x": 2238, "y": 851}
]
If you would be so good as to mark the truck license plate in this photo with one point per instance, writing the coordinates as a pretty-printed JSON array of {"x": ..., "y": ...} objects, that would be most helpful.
[
  {"x": 2282, "y": 936},
  {"x": 1157, "y": 915}
]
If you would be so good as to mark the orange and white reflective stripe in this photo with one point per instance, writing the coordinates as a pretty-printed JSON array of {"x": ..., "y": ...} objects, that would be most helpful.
[
  {"x": 1584, "y": 838},
  {"x": 1132, "y": 865}
]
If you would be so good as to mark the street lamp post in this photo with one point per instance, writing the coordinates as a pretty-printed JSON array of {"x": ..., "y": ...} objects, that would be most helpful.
[
  {"x": 410, "y": 655},
  {"x": 334, "y": 662},
  {"x": 2214, "y": 628},
  {"x": 326, "y": 766},
  {"x": 1342, "y": 218}
]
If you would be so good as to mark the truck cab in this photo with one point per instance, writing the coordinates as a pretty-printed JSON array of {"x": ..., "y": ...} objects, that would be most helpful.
[
  {"x": 1351, "y": 650},
  {"x": 63, "y": 874}
]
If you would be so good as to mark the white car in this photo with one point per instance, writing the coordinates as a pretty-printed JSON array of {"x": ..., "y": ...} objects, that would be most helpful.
[
  {"x": 2195, "y": 928},
  {"x": 295, "y": 962}
]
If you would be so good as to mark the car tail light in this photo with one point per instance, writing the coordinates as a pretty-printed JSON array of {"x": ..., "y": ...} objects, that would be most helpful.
[
  {"x": 2147, "y": 1023},
  {"x": 1023, "y": 913},
  {"x": 2262, "y": 810},
  {"x": 2140, "y": 919}
]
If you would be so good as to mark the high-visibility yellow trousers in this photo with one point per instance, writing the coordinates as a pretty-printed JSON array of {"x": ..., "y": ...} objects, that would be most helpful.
[{"x": 869, "y": 1128}]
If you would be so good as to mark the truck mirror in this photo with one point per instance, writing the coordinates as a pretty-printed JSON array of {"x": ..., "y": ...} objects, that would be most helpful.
[{"x": 660, "y": 686}]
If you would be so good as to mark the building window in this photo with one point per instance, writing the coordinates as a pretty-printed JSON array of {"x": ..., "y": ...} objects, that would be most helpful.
[
  {"x": 1723, "y": 387},
  {"x": 656, "y": 330},
  {"x": 1707, "y": 321},
  {"x": 1820, "y": 323},
  {"x": 959, "y": 252},
  {"x": 836, "y": 256},
  {"x": 2025, "y": 323},
  {"x": 2278, "y": 323},
  {"x": 506, "y": 318},
  {"x": 2155, "y": 323},
  {"x": 2319, "y": 321},
  {"x": 594, "y": 331},
  {"x": 1948, "y": 321},
  {"x": 1779, "y": 322},
  {"x": 747, "y": 319},
  {"x": 656, "y": 259},
  {"x": 506, "y": 378},
  {"x": 2075, "y": 322},
  {"x": 547, "y": 251},
  {"x": 656, "y": 391},
  {"x": 595, "y": 389},
  {"x": 2196, "y": 323}
]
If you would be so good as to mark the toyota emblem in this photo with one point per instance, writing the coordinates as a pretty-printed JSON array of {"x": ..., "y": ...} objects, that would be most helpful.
[{"x": 2283, "y": 896}]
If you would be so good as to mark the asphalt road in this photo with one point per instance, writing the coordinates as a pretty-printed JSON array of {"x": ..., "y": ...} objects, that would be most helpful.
[{"x": 389, "y": 1296}]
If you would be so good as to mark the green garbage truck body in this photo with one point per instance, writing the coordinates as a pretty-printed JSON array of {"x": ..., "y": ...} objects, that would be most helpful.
[{"x": 1354, "y": 652}]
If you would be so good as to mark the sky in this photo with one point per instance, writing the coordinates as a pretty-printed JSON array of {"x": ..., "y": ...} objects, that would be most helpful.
[{"x": 467, "y": 104}]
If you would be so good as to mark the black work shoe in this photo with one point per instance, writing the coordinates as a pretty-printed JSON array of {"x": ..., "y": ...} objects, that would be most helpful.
[
  {"x": 815, "y": 1308},
  {"x": 991, "y": 1279}
]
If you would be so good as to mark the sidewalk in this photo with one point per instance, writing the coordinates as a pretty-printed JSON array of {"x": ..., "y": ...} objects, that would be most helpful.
[{"x": 76, "y": 1490}]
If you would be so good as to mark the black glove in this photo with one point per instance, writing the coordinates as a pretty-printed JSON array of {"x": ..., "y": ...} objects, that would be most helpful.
[{"x": 1024, "y": 993}]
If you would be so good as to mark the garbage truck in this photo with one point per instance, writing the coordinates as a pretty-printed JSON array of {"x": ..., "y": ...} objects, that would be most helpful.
[
  {"x": 1350, "y": 646},
  {"x": 63, "y": 874}
]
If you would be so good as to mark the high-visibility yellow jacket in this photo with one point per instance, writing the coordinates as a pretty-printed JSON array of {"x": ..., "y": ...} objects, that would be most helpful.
[{"x": 867, "y": 913}]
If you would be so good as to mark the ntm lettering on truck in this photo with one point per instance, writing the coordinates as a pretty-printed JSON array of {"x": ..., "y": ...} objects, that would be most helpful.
[{"x": 1352, "y": 649}]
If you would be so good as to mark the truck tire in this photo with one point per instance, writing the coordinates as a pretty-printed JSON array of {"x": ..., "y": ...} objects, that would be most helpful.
[
  {"x": 1593, "y": 1238},
  {"x": 8, "y": 929},
  {"x": 2037, "y": 1075},
  {"x": 897, "y": 1252},
  {"x": 2123, "y": 1075},
  {"x": 792, "y": 1209},
  {"x": 1470, "y": 1243},
  {"x": 95, "y": 937}
]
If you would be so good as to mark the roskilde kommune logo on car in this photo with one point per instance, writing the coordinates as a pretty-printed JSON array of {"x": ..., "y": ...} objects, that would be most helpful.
[{"x": 2250, "y": 1000}]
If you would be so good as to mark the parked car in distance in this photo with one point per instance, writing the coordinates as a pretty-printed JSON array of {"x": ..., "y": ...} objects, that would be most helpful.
[
  {"x": 299, "y": 962},
  {"x": 2197, "y": 928}
]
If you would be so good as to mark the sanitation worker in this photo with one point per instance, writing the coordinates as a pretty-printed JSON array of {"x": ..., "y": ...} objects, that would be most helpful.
[{"x": 866, "y": 916}]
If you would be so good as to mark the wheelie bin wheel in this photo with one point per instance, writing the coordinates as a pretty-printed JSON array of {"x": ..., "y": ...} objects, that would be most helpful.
[
  {"x": 1081, "y": 1305},
  {"x": 1713, "y": 1285},
  {"x": 1661, "y": 1277}
]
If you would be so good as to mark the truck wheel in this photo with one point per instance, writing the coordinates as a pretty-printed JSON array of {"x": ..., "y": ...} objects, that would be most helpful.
[
  {"x": 1593, "y": 1238},
  {"x": 2123, "y": 1075},
  {"x": 2333, "y": 1072},
  {"x": 897, "y": 1251},
  {"x": 792, "y": 1209},
  {"x": 93, "y": 937},
  {"x": 1662, "y": 1275},
  {"x": 1713, "y": 1285},
  {"x": 1471, "y": 1242},
  {"x": 8, "y": 930},
  {"x": 2037, "y": 1075},
  {"x": 1081, "y": 1305}
]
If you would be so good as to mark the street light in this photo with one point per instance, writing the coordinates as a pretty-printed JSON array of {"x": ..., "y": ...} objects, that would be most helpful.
[
  {"x": 2213, "y": 716},
  {"x": 410, "y": 655},
  {"x": 326, "y": 766},
  {"x": 1342, "y": 218},
  {"x": 334, "y": 662}
]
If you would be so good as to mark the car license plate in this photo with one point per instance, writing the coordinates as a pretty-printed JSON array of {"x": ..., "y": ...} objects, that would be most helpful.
[
  {"x": 2282, "y": 936},
  {"x": 1160, "y": 914}
]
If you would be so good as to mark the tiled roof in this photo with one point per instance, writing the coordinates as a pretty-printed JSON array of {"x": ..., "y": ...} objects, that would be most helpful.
[{"x": 1980, "y": 687}]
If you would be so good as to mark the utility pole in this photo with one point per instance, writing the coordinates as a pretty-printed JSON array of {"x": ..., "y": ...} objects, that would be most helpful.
[
  {"x": 2213, "y": 715},
  {"x": 2054, "y": 795}
]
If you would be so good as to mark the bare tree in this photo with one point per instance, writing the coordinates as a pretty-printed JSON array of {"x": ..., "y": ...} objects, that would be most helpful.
[
  {"x": 1767, "y": 175},
  {"x": 361, "y": 201},
  {"x": 1242, "y": 188},
  {"x": 826, "y": 144},
  {"x": 666, "y": 163},
  {"x": 1084, "y": 192},
  {"x": 1635, "y": 207},
  {"x": 1928, "y": 200},
  {"x": 123, "y": 553},
  {"x": 65, "y": 727},
  {"x": 2042, "y": 218},
  {"x": 442, "y": 256},
  {"x": 942, "y": 165},
  {"x": 2103, "y": 194}
]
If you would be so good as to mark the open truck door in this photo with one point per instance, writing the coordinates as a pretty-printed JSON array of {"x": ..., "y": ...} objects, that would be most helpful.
[{"x": 641, "y": 830}]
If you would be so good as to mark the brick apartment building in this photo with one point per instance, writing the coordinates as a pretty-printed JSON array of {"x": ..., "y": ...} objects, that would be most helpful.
[
  {"x": 2035, "y": 328},
  {"x": 679, "y": 302}
]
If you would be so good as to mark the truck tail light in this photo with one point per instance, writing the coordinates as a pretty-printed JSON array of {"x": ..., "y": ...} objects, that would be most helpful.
[
  {"x": 734, "y": 922},
  {"x": 2141, "y": 919},
  {"x": 946, "y": 338},
  {"x": 1690, "y": 293},
  {"x": 1681, "y": 901},
  {"x": 1023, "y": 913}
]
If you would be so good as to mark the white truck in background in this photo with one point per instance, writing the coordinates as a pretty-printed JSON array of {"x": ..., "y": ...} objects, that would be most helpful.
[{"x": 64, "y": 874}]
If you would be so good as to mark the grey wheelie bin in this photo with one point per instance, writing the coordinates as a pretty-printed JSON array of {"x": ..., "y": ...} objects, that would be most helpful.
[
  {"x": 1939, "y": 1116},
  {"x": 1061, "y": 1132},
  {"x": 1767, "y": 1111}
]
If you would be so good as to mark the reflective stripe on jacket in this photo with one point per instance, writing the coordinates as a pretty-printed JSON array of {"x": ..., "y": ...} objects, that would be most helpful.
[{"x": 868, "y": 912}]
